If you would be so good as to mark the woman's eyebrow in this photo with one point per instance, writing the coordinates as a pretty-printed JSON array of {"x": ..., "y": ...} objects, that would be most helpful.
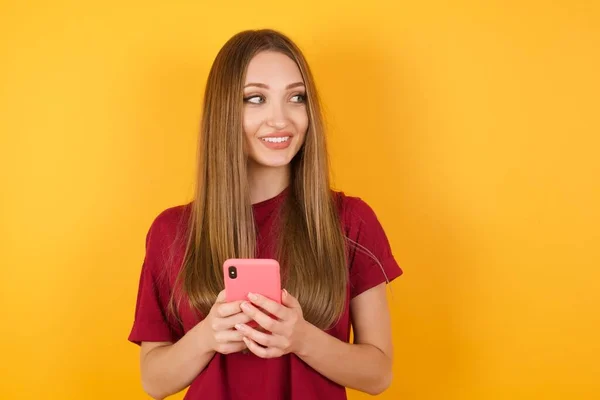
[{"x": 262, "y": 85}]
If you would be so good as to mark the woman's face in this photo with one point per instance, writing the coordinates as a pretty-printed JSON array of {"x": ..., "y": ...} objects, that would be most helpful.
[{"x": 275, "y": 115}]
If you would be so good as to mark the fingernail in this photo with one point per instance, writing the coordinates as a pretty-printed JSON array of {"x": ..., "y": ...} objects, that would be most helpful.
[
  {"x": 245, "y": 305},
  {"x": 285, "y": 292},
  {"x": 252, "y": 296},
  {"x": 239, "y": 327}
]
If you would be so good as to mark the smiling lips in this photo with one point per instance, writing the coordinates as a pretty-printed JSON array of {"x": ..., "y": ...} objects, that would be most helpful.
[{"x": 277, "y": 141}]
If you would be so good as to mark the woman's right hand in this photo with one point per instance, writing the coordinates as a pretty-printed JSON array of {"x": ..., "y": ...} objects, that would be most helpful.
[
  {"x": 218, "y": 330},
  {"x": 168, "y": 367}
]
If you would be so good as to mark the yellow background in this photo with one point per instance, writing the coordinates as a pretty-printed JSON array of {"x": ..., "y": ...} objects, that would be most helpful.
[{"x": 471, "y": 129}]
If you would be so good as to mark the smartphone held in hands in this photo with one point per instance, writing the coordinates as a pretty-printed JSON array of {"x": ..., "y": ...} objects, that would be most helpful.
[{"x": 252, "y": 275}]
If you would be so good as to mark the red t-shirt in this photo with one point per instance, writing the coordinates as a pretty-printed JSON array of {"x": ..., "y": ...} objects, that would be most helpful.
[{"x": 240, "y": 375}]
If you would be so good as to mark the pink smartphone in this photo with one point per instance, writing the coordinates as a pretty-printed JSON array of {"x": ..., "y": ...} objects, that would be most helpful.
[{"x": 251, "y": 275}]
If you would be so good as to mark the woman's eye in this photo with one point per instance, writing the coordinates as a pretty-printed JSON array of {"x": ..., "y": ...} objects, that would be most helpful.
[
  {"x": 254, "y": 99},
  {"x": 299, "y": 98}
]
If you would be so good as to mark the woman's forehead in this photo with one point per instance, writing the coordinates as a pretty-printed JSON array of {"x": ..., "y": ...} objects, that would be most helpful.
[{"x": 273, "y": 69}]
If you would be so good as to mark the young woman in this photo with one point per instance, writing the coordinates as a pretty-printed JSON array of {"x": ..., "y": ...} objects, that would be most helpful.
[{"x": 263, "y": 191}]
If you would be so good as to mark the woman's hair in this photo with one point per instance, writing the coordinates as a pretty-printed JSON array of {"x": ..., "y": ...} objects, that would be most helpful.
[{"x": 311, "y": 245}]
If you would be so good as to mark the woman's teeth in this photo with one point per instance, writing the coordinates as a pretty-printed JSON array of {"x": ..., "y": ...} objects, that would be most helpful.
[{"x": 276, "y": 139}]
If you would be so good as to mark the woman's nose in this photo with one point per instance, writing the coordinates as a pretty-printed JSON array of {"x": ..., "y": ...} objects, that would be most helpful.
[{"x": 276, "y": 118}]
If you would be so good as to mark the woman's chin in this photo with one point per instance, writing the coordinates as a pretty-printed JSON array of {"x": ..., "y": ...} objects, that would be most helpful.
[
  {"x": 271, "y": 162},
  {"x": 274, "y": 164}
]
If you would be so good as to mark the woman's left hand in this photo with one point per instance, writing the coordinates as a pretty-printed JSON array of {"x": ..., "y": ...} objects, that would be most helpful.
[{"x": 287, "y": 329}]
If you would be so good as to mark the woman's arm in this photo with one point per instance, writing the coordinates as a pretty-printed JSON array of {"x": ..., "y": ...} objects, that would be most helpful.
[
  {"x": 168, "y": 368},
  {"x": 365, "y": 365}
]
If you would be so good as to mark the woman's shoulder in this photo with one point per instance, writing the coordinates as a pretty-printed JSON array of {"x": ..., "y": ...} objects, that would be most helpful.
[
  {"x": 169, "y": 224},
  {"x": 352, "y": 209},
  {"x": 370, "y": 257},
  {"x": 172, "y": 215}
]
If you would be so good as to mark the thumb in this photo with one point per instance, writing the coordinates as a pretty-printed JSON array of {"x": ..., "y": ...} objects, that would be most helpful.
[
  {"x": 221, "y": 297},
  {"x": 288, "y": 300}
]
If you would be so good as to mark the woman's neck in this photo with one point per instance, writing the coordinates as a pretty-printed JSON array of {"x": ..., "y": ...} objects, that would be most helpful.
[{"x": 267, "y": 182}]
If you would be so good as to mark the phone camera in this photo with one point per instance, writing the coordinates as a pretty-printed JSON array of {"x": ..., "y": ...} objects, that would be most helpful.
[{"x": 232, "y": 272}]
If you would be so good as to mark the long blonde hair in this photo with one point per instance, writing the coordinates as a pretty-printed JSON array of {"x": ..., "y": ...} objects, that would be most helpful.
[{"x": 311, "y": 247}]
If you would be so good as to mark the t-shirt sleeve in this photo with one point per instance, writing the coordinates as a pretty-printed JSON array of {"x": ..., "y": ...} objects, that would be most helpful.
[
  {"x": 371, "y": 260},
  {"x": 153, "y": 322}
]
